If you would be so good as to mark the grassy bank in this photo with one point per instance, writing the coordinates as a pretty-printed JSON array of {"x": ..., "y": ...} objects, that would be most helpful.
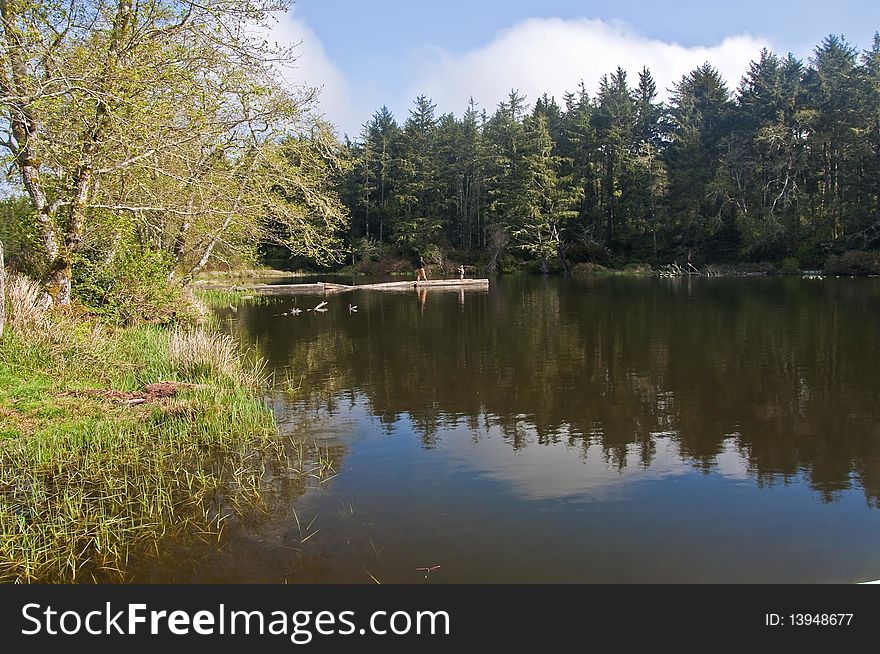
[{"x": 98, "y": 465}]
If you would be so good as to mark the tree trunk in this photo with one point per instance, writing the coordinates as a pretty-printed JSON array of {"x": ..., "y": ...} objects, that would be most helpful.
[
  {"x": 209, "y": 250},
  {"x": 382, "y": 197},
  {"x": 23, "y": 125},
  {"x": 180, "y": 244},
  {"x": 42, "y": 210},
  {"x": 608, "y": 196},
  {"x": 560, "y": 254},
  {"x": 114, "y": 249},
  {"x": 58, "y": 280},
  {"x": 367, "y": 213}
]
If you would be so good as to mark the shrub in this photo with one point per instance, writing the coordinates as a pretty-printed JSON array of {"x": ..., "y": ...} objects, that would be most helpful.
[
  {"x": 755, "y": 268},
  {"x": 20, "y": 236},
  {"x": 133, "y": 287},
  {"x": 433, "y": 254},
  {"x": 638, "y": 269},
  {"x": 854, "y": 262},
  {"x": 790, "y": 266},
  {"x": 367, "y": 249},
  {"x": 589, "y": 252},
  {"x": 389, "y": 264},
  {"x": 588, "y": 268}
]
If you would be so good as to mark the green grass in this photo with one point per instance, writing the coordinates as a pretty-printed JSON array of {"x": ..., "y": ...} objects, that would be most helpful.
[
  {"x": 250, "y": 273},
  {"x": 87, "y": 482},
  {"x": 232, "y": 298}
]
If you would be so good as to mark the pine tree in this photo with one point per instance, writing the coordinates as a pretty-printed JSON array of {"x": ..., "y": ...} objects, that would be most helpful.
[
  {"x": 614, "y": 121},
  {"x": 700, "y": 112},
  {"x": 762, "y": 169},
  {"x": 549, "y": 200},
  {"x": 507, "y": 175},
  {"x": 418, "y": 195},
  {"x": 831, "y": 83}
]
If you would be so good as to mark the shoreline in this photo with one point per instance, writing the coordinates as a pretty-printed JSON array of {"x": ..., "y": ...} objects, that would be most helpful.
[{"x": 117, "y": 440}]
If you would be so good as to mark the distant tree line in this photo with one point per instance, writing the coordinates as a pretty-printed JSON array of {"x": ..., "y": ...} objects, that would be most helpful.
[
  {"x": 143, "y": 140},
  {"x": 785, "y": 166}
]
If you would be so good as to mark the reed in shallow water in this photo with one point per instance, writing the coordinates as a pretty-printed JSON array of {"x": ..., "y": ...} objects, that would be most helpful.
[{"x": 98, "y": 468}]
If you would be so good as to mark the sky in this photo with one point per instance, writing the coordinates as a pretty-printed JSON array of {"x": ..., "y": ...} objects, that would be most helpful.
[{"x": 370, "y": 53}]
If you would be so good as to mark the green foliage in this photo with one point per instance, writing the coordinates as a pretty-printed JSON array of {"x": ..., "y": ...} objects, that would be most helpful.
[
  {"x": 786, "y": 163},
  {"x": 588, "y": 268},
  {"x": 138, "y": 121},
  {"x": 854, "y": 262},
  {"x": 432, "y": 254},
  {"x": 20, "y": 237},
  {"x": 132, "y": 287},
  {"x": 366, "y": 249},
  {"x": 790, "y": 266},
  {"x": 305, "y": 214},
  {"x": 92, "y": 483}
]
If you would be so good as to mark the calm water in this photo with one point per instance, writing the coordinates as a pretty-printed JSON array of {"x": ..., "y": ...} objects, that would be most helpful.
[{"x": 592, "y": 430}]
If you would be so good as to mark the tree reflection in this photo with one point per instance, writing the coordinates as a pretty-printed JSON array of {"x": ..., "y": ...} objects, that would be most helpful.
[{"x": 786, "y": 369}]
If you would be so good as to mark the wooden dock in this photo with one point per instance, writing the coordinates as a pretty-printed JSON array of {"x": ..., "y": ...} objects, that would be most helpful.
[{"x": 328, "y": 288}]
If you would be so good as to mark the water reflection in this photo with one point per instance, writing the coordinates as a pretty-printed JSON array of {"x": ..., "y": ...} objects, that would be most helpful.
[{"x": 777, "y": 378}]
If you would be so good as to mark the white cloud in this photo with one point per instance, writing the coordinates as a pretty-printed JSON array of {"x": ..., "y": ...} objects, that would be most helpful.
[
  {"x": 576, "y": 473},
  {"x": 535, "y": 56},
  {"x": 553, "y": 55},
  {"x": 312, "y": 67}
]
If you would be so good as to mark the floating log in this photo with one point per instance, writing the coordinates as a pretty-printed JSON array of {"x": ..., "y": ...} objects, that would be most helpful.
[
  {"x": 440, "y": 284},
  {"x": 328, "y": 288}
]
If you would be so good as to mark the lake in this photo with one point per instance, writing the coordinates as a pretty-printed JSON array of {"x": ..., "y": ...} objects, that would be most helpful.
[{"x": 598, "y": 430}]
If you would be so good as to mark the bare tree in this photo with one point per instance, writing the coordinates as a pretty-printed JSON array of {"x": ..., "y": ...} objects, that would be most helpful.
[{"x": 498, "y": 239}]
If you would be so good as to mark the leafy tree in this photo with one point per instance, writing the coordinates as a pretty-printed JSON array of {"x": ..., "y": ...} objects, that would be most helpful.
[{"x": 150, "y": 119}]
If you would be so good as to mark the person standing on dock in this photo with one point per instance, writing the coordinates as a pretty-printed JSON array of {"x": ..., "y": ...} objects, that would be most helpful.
[{"x": 419, "y": 264}]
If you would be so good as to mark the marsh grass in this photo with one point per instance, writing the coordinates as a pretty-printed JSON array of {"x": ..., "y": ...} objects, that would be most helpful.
[
  {"x": 229, "y": 298},
  {"x": 199, "y": 355},
  {"x": 89, "y": 483},
  {"x": 25, "y": 302},
  {"x": 250, "y": 273}
]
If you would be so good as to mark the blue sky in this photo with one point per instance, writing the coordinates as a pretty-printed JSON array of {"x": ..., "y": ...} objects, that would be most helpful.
[{"x": 368, "y": 53}]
